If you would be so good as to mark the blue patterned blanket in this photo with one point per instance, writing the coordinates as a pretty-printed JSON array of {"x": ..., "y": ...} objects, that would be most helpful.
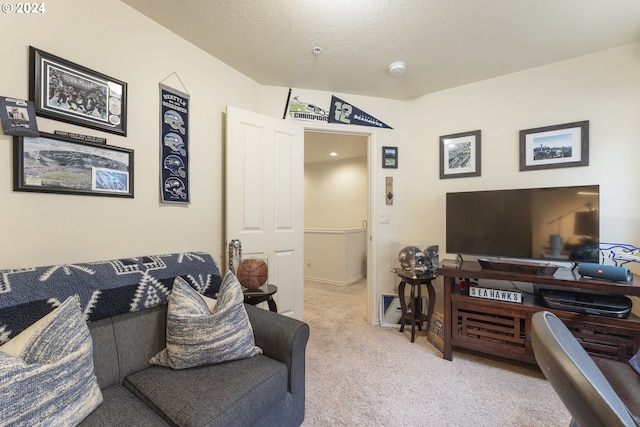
[{"x": 105, "y": 288}]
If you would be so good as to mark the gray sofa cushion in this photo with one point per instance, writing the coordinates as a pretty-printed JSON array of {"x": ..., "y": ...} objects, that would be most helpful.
[
  {"x": 139, "y": 336},
  {"x": 120, "y": 408},
  {"x": 224, "y": 394},
  {"x": 105, "y": 352},
  {"x": 123, "y": 344}
]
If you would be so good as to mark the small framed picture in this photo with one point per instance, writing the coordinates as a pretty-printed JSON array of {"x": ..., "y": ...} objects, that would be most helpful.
[
  {"x": 390, "y": 157},
  {"x": 460, "y": 155},
  {"x": 55, "y": 164},
  {"x": 391, "y": 311},
  {"x": 18, "y": 117},
  {"x": 558, "y": 146},
  {"x": 71, "y": 93}
]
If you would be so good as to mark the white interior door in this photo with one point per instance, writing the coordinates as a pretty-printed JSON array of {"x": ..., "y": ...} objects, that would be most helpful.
[{"x": 264, "y": 199}]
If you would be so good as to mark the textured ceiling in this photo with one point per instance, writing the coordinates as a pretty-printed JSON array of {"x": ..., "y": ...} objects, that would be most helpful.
[{"x": 445, "y": 43}]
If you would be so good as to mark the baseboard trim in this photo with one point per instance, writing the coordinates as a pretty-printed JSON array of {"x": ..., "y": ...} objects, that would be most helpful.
[{"x": 334, "y": 282}]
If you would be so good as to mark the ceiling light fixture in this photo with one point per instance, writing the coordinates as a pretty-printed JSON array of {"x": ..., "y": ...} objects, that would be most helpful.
[
  {"x": 333, "y": 154},
  {"x": 397, "y": 68}
]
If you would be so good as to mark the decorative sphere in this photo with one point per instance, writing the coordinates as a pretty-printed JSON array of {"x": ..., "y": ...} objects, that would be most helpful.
[{"x": 252, "y": 273}]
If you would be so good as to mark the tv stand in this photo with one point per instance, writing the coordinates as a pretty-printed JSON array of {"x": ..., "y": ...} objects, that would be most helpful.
[{"x": 504, "y": 328}]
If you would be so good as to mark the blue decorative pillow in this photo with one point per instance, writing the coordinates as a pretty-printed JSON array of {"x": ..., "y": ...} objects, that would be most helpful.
[
  {"x": 199, "y": 336},
  {"x": 46, "y": 372}
]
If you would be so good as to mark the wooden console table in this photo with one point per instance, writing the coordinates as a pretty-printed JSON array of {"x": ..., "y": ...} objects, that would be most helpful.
[{"x": 504, "y": 328}]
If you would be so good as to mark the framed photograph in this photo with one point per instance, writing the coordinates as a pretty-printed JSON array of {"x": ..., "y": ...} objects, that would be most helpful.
[
  {"x": 460, "y": 155},
  {"x": 390, "y": 157},
  {"x": 559, "y": 146},
  {"x": 391, "y": 311},
  {"x": 18, "y": 117},
  {"x": 68, "y": 92},
  {"x": 54, "y": 164}
]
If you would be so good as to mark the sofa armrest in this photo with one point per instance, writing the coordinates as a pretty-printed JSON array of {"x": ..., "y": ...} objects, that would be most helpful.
[{"x": 281, "y": 338}]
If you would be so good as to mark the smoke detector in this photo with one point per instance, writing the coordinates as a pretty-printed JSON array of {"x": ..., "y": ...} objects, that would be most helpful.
[{"x": 397, "y": 68}]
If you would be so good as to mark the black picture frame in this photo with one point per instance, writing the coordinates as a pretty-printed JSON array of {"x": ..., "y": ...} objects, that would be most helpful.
[
  {"x": 71, "y": 93},
  {"x": 390, "y": 157},
  {"x": 558, "y": 146},
  {"x": 18, "y": 117},
  {"x": 460, "y": 154},
  {"x": 54, "y": 164}
]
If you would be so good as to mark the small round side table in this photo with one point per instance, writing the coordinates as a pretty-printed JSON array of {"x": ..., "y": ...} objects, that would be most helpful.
[
  {"x": 262, "y": 294},
  {"x": 415, "y": 315}
]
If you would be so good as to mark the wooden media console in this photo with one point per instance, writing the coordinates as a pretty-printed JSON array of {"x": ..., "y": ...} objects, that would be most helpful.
[{"x": 504, "y": 328}]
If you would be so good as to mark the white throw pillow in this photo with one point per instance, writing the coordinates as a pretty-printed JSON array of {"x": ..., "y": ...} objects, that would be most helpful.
[
  {"x": 198, "y": 336},
  {"x": 46, "y": 372}
]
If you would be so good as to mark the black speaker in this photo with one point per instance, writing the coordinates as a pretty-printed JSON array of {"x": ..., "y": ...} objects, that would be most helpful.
[{"x": 607, "y": 272}]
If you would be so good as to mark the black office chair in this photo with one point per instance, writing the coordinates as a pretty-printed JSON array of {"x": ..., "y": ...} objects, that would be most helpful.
[{"x": 582, "y": 387}]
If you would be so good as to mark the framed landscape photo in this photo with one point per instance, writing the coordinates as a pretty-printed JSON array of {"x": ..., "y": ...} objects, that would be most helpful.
[
  {"x": 54, "y": 164},
  {"x": 390, "y": 157},
  {"x": 559, "y": 146},
  {"x": 460, "y": 155},
  {"x": 71, "y": 93}
]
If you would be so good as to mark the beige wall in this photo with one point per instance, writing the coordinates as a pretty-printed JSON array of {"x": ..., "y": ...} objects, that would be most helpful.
[
  {"x": 336, "y": 193},
  {"x": 114, "y": 39},
  {"x": 603, "y": 88},
  {"x": 42, "y": 228},
  {"x": 335, "y": 256}
]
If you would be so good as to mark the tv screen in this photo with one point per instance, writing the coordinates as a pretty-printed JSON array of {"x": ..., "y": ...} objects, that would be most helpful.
[{"x": 558, "y": 223}]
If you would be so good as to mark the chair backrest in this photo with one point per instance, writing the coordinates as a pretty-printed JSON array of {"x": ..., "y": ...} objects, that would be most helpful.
[{"x": 575, "y": 377}]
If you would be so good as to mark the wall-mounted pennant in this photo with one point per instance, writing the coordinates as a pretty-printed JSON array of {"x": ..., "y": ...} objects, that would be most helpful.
[
  {"x": 301, "y": 110},
  {"x": 345, "y": 113},
  {"x": 174, "y": 145},
  {"x": 18, "y": 117}
]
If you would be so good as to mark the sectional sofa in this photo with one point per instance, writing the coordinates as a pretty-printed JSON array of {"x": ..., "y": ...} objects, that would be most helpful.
[{"x": 124, "y": 302}]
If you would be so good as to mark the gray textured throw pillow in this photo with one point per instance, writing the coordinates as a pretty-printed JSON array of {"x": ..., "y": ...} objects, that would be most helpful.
[
  {"x": 46, "y": 372},
  {"x": 197, "y": 336}
]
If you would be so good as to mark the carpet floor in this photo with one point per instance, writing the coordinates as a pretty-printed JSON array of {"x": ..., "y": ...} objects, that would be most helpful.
[{"x": 358, "y": 374}]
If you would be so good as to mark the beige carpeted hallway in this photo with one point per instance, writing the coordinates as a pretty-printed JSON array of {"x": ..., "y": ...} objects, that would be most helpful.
[{"x": 363, "y": 375}]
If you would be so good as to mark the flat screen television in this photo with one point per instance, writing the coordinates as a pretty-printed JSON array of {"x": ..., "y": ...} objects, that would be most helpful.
[{"x": 557, "y": 223}]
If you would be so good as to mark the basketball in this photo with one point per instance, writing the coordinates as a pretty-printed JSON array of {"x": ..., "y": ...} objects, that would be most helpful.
[{"x": 252, "y": 273}]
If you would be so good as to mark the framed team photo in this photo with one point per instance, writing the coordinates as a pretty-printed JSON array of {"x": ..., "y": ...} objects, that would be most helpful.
[{"x": 71, "y": 93}]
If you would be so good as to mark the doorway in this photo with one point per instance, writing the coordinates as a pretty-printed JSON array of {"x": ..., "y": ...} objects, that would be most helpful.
[{"x": 336, "y": 207}]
